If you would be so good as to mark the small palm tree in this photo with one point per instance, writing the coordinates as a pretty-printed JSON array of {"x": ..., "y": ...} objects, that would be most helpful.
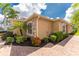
[
  {"x": 9, "y": 12},
  {"x": 20, "y": 25}
]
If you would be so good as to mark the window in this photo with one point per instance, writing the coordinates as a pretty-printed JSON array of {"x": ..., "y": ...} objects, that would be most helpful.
[
  {"x": 64, "y": 27},
  {"x": 29, "y": 28}
]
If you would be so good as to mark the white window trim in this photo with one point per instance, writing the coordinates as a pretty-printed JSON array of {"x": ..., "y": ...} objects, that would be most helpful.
[
  {"x": 32, "y": 29},
  {"x": 65, "y": 26}
]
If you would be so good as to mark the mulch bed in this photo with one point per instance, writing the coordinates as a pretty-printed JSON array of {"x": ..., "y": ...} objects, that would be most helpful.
[{"x": 27, "y": 43}]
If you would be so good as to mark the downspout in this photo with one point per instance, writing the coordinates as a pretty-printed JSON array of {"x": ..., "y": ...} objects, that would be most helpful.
[{"x": 37, "y": 25}]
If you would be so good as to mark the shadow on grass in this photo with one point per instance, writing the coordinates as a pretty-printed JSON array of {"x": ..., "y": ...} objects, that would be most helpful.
[{"x": 65, "y": 41}]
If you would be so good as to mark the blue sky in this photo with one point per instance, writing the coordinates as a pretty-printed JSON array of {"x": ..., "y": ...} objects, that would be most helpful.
[{"x": 54, "y": 10}]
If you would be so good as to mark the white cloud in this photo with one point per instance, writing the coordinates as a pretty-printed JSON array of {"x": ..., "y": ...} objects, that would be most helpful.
[
  {"x": 57, "y": 17},
  {"x": 51, "y": 18},
  {"x": 29, "y": 8},
  {"x": 69, "y": 13},
  {"x": 1, "y": 20},
  {"x": 1, "y": 17}
]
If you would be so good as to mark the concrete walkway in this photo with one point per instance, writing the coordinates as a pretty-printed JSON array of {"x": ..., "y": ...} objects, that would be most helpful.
[
  {"x": 5, "y": 50},
  {"x": 67, "y": 47}
]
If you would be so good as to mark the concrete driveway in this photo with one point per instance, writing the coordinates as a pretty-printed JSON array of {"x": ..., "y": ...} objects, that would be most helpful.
[{"x": 67, "y": 47}]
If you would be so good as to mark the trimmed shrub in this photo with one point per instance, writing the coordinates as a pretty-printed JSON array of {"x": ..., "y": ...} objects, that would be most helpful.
[
  {"x": 46, "y": 39},
  {"x": 53, "y": 38},
  {"x": 36, "y": 41},
  {"x": 19, "y": 39},
  {"x": 59, "y": 36},
  {"x": 9, "y": 40}
]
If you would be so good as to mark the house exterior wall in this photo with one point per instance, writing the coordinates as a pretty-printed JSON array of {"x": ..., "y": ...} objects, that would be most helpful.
[
  {"x": 56, "y": 26},
  {"x": 62, "y": 26},
  {"x": 41, "y": 27},
  {"x": 44, "y": 28}
]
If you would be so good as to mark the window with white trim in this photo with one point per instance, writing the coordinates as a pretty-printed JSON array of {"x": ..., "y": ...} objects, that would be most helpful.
[
  {"x": 29, "y": 28},
  {"x": 64, "y": 27}
]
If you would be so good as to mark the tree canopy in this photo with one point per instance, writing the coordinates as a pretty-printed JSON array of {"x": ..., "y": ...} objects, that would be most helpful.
[
  {"x": 75, "y": 15},
  {"x": 75, "y": 5},
  {"x": 8, "y": 12}
]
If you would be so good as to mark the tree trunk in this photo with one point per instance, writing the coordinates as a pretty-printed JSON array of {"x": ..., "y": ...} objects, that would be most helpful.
[
  {"x": 5, "y": 23},
  {"x": 21, "y": 32}
]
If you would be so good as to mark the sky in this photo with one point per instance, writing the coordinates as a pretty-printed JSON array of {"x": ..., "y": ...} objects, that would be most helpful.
[
  {"x": 51, "y": 10},
  {"x": 54, "y": 10}
]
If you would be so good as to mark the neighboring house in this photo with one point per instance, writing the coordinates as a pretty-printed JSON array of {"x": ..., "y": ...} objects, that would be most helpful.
[{"x": 42, "y": 26}]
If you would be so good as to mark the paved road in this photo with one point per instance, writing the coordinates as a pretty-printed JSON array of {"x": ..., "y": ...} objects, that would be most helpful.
[{"x": 67, "y": 47}]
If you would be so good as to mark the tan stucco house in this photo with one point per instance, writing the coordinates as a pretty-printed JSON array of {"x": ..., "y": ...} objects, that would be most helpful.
[{"x": 42, "y": 26}]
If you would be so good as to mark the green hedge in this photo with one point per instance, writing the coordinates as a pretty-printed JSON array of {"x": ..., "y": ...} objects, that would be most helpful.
[
  {"x": 9, "y": 40},
  {"x": 53, "y": 38},
  {"x": 20, "y": 39},
  {"x": 56, "y": 37},
  {"x": 59, "y": 36}
]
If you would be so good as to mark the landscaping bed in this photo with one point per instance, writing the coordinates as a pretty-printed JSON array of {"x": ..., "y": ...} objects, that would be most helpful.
[
  {"x": 27, "y": 43},
  {"x": 16, "y": 40}
]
